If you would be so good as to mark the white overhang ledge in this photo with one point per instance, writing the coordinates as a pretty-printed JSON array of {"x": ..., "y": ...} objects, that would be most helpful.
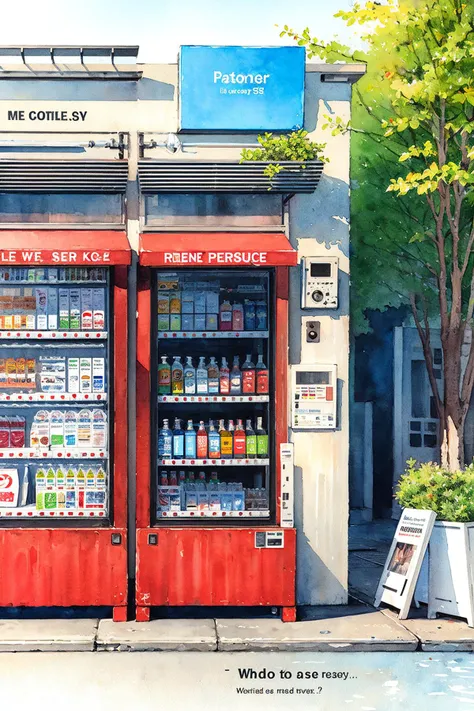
[{"x": 337, "y": 73}]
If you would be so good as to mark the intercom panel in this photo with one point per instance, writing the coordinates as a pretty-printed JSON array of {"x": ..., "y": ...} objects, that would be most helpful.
[{"x": 319, "y": 282}]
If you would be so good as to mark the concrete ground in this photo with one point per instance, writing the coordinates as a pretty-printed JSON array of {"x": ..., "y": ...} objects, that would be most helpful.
[
  {"x": 352, "y": 628},
  {"x": 369, "y": 544}
]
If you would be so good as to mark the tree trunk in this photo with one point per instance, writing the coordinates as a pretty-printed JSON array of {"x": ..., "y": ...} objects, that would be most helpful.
[{"x": 452, "y": 446}]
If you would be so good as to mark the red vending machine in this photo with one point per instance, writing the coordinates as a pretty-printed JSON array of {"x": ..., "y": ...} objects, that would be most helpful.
[
  {"x": 63, "y": 418},
  {"x": 211, "y": 415}
]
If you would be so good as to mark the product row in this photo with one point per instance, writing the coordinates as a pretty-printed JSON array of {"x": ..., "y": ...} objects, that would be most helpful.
[
  {"x": 55, "y": 428},
  {"x": 188, "y": 310},
  {"x": 231, "y": 442},
  {"x": 211, "y": 496},
  {"x": 49, "y": 488},
  {"x": 49, "y": 308},
  {"x": 52, "y": 275},
  {"x": 179, "y": 379},
  {"x": 53, "y": 374}
]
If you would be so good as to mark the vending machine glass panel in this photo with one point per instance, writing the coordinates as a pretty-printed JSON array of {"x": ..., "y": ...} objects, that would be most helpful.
[
  {"x": 55, "y": 409},
  {"x": 212, "y": 385}
]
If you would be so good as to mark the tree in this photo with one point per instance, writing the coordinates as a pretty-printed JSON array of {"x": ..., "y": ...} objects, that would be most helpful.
[{"x": 420, "y": 54}]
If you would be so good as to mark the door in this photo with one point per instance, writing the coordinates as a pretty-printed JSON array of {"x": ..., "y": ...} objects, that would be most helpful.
[{"x": 415, "y": 419}]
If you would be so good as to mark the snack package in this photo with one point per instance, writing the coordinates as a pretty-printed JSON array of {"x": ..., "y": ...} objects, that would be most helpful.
[
  {"x": 98, "y": 309},
  {"x": 41, "y": 295},
  {"x": 17, "y": 431},
  {"x": 64, "y": 308},
  {"x": 86, "y": 309},
  {"x": 70, "y": 428},
  {"x": 52, "y": 309},
  {"x": 99, "y": 429},
  {"x": 56, "y": 428},
  {"x": 9, "y": 487},
  {"x": 39, "y": 432}
]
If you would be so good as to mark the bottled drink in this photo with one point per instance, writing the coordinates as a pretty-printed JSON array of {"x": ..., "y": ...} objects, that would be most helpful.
[
  {"x": 262, "y": 376},
  {"x": 239, "y": 441},
  {"x": 261, "y": 316},
  {"x": 178, "y": 439},
  {"x": 177, "y": 376},
  {"x": 226, "y": 441},
  {"x": 201, "y": 377},
  {"x": 235, "y": 378},
  {"x": 201, "y": 441},
  {"x": 237, "y": 317},
  {"x": 248, "y": 376},
  {"x": 249, "y": 315},
  {"x": 182, "y": 478},
  {"x": 173, "y": 479},
  {"x": 165, "y": 441},
  {"x": 164, "y": 377},
  {"x": 213, "y": 376},
  {"x": 189, "y": 377},
  {"x": 164, "y": 479},
  {"x": 201, "y": 483},
  {"x": 190, "y": 482},
  {"x": 225, "y": 316},
  {"x": 190, "y": 441},
  {"x": 262, "y": 440},
  {"x": 224, "y": 378},
  {"x": 214, "y": 442},
  {"x": 213, "y": 482},
  {"x": 251, "y": 441}
]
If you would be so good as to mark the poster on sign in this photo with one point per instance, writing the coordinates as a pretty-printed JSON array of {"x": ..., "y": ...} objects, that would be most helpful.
[{"x": 403, "y": 564}]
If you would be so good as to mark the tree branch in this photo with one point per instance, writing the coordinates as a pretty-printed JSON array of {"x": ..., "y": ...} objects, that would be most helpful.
[{"x": 426, "y": 346}]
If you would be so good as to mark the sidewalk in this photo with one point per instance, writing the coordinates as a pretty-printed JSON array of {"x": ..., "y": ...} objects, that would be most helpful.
[{"x": 352, "y": 628}]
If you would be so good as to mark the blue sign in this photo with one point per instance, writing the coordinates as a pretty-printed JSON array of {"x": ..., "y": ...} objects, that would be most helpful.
[{"x": 241, "y": 88}]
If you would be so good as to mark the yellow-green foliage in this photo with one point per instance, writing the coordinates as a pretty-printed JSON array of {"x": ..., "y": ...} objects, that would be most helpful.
[
  {"x": 429, "y": 486},
  {"x": 294, "y": 146}
]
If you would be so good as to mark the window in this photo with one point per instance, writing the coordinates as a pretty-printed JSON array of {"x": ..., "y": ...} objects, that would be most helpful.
[
  {"x": 419, "y": 399},
  {"x": 423, "y": 433},
  {"x": 213, "y": 210},
  {"x": 61, "y": 208},
  {"x": 415, "y": 440}
]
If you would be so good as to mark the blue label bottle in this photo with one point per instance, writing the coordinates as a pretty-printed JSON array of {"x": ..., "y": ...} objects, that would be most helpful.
[
  {"x": 178, "y": 440},
  {"x": 214, "y": 442},
  {"x": 165, "y": 442},
  {"x": 190, "y": 441}
]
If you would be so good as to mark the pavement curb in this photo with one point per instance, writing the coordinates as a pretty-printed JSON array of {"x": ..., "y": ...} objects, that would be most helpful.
[{"x": 48, "y": 635}]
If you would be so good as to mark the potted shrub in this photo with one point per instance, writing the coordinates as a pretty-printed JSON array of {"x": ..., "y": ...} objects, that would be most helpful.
[
  {"x": 451, "y": 549},
  {"x": 286, "y": 156}
]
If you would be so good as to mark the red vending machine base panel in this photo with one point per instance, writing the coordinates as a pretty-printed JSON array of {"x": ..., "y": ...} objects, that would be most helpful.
[
  {"x": 64, "y": 567},
  {"x": 215, "y": 567}
]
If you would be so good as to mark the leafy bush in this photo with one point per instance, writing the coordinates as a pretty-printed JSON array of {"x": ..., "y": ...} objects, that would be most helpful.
[
  {"x": 429, "y": 486},
  {"x": 294, "y": 146}
]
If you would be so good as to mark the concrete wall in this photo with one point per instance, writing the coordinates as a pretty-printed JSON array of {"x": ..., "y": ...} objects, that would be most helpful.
[{"x": 318, "y": 225}]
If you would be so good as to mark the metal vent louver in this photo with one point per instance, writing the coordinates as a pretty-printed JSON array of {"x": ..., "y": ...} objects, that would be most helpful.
[
  {"x": 226, "y": 176},
  {"x": 62, "y": 176}
]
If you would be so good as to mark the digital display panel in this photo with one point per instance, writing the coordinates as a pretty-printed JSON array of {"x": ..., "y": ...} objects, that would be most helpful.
[
  {"x": 310, "y": 377},
  {"x": 320, "y": 270}
]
